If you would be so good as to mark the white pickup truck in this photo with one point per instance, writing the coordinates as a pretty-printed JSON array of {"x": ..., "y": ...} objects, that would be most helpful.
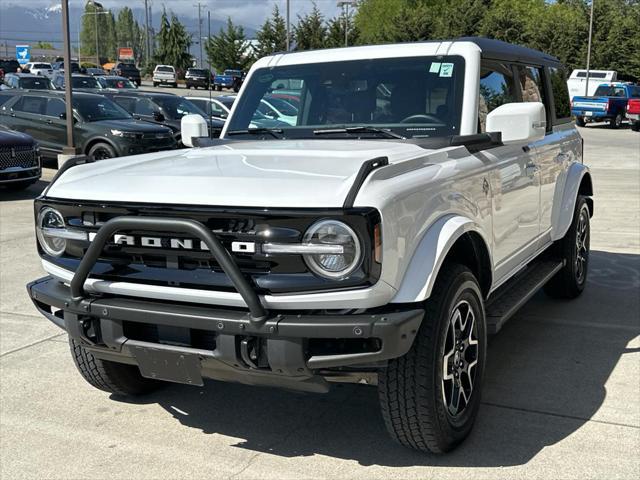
[
  {"x": 165, "y": 75},
  {"x": 422, "y": 195}
]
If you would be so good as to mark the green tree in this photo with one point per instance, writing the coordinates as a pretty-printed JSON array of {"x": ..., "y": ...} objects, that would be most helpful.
[
  {"x": 129, "y": 34},
  {"x": 335, "y": 31},
  {"x": 44, "y": 45},
  {"x": 375, "y": 20},
  {"x": 310, "y": 32},
  {"x": 272, "y": 36},
  {"x": 229, "y": 48},
  {"x": 95, "y": 15},
  {"x": 460, "y": 19},
  {"x": 173, "y": 44}
]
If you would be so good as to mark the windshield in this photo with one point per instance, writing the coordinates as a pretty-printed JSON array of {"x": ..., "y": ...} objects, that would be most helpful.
[
  {"x": 116, "y": 83},
  {"x": 413, "y": 97},
  {"x": 177, "y": 107},
  {"x": 165, "y": 69},
  {"x": 84, "y": 82},
  {"x": 196, "y": 71},
  {"x": 36, "y": 83},
  {"x": 42, "y": 65},
  {"x": 95, "y": 109}
]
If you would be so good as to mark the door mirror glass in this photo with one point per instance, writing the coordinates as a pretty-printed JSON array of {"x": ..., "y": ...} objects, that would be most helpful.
[{"x": 518, "y": 122}]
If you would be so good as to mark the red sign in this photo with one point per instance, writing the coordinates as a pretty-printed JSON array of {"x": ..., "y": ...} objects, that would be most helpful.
[{"x": 125, "y": 53}]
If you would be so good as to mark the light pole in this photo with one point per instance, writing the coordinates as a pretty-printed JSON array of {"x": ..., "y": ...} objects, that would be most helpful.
[
  {"x": 586, "y": 85},
  {"x": 345, "y": 12},
  {"x": 66, "y": 41},
  {"x": 199, "y": 5},
  {"x": 288, "y": 25}
]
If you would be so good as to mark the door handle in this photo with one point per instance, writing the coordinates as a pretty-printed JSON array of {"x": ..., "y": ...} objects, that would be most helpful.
[
  {"x": 49, "y": 122},
  {"x": 531, "y": 169}
]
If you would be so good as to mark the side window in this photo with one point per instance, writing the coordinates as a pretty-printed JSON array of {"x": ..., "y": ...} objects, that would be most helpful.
[
  {"x": 635, "y": 92},
  {"x": 55, "y": 107},
  {"x": 217, "y": 110},
  {"x": 144, "y": 106},
  {"x": 561, "y": 100},
  {"x": 35, "y": 105},
  {"x": 497, "y": 87},
  {"x": 532, "y": 89}
]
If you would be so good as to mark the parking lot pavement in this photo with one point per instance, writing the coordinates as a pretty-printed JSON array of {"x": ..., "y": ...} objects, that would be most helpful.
[
  {"x": 560, "y": 401},
  {"x": 184, "y": 91}
]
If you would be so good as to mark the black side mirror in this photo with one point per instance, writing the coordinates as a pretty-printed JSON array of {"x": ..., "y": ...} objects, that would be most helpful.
[{"x": 158, "y": 117}]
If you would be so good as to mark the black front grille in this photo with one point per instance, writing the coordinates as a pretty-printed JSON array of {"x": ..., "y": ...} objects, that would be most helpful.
[
  {"x": 164, "y": 264},
  {"x": 22, "y": 157}
]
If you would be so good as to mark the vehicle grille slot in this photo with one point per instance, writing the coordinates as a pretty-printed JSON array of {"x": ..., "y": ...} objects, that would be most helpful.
[{"x": 23, "y": 157}]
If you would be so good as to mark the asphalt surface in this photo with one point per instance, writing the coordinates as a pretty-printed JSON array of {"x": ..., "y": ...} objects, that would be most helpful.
[{"x": 561, "y": 398}]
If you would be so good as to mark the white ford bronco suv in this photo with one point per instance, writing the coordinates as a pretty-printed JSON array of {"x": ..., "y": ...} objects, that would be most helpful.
[{"x": 422, "y": 195}]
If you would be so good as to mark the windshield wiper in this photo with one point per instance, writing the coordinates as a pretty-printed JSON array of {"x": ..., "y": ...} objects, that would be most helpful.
[
  {"x": 359, "y": 129},
  {"x": 274, "y": 132}
]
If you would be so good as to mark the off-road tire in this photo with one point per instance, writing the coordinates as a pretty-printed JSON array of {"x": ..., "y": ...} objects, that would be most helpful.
[
  {"x": 580, "y": 122},
  {"x": 411, "y": 387},
  {"x": 116, "y": 378},
  {"x": 567, "y": 283}
]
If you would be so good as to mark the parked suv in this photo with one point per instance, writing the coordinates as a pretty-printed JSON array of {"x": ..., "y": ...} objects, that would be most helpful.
[
  {"x": 39, "y": 68},
  {"x": 161, "y": 108},
  {"x": 101, "y": 128},
  {"x": 165, "y": 75},
  {"x": 129, "y": 71},
  {"x": 424, "y": 193},
  {"x": 20, "y": 164},
  {"x": 79, "y": 81},
  {"x": 198, "y": 78}
]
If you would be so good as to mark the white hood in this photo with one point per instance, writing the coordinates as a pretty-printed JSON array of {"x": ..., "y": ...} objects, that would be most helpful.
[{"x": 285, "y": 173}]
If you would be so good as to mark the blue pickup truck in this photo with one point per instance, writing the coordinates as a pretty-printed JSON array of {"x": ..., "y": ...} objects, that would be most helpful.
[
  {"x": 231, "y": 79},
  {"x": 608, "y": 104}
]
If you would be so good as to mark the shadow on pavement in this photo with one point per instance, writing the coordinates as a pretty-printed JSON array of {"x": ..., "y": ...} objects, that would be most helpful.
[
  {"x": 9, "y": 194},
  {"x": 546, "y": 377}
]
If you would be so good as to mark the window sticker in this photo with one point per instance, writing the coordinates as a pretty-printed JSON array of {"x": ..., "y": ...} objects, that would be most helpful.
[
  {"x": 435, "y": 67},
  {"x": 446, "y": 70}
]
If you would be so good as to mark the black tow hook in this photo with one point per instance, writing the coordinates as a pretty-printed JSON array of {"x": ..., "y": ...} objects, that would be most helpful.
[{"x": 250, "y": 351}]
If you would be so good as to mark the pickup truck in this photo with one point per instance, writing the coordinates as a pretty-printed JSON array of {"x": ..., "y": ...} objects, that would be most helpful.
[
  {"x": 406, "y": 215},
  {"x": 609, "y": 103},
  {"x": 633, "y": 113},
  {"x": 231, "y": 79},
  {"x": 165, "y": 75}
]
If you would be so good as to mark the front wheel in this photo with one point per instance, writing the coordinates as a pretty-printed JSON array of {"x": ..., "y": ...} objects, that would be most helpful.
[
  {"x": 573, "y": 249},
  {"x": 101, "y": 151},
  {"x": 430, "y": 396},
  {"x": 117, "y": 378}
]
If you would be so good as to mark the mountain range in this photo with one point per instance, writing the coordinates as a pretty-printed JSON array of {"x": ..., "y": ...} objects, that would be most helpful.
[{"x": 20, "y": 25}]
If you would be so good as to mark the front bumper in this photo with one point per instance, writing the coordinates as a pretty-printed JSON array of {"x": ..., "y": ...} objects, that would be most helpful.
[
  {"x": 285, "y": 339},
  {"x": 18, "y": 174}
]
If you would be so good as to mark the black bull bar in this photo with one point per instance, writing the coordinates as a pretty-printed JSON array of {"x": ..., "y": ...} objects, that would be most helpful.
[{"x": 175, "y": 225}]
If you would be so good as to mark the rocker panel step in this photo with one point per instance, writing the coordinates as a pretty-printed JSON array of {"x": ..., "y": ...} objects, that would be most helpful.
[{"x": 508, "y": 299}]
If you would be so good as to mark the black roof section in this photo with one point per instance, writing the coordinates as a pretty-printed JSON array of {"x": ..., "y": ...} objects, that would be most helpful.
[{"x": 499, "y": 50}]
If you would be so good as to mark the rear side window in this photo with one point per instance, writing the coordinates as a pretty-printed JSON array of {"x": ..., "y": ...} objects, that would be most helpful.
[
  {"x": 562, "y": 105},
  {"x": 497, "y": 87},
  {"x": 635, "y": 92}
]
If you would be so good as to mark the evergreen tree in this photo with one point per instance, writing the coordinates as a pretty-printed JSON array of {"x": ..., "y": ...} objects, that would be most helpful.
[
  {"x": 335, "y": 31},
  {"x": 272, "y": 36},
  {"x": 95, "y": 15},
  {"x": 310, "y": 32},
  {"x": 229, "y": 48},
  {"x": 173, "y": 44}
]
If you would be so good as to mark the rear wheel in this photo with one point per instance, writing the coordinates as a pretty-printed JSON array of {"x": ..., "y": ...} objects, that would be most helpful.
[
  {"x": 117, "y": 378},
  {"x": 155, "y": 84},
  {"x": 616, "y": 122},
  {"x": 635, "y": 126},
  {"x": 570, "y": 281},
  {"x": 101, "y": 151},
  {"x": 580, "y": 121},
  {"x": 430, "y": 396}
]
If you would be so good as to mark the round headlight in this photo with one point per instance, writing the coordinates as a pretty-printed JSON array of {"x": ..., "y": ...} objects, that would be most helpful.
[
  {"x": 333, "y": 265},
  {"x": 48, "y": 219}
]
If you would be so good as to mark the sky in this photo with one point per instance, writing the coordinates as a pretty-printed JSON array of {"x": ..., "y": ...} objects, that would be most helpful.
[{"x": 251, "y": 13}]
